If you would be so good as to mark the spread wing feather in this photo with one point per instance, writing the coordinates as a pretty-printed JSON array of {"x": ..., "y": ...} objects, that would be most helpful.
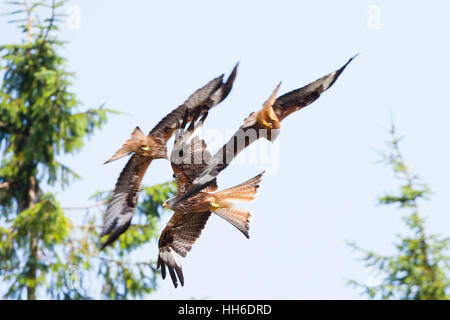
[
  {"x": 300, "y": 98},
  {"x": 283, "y": 106},
  {"x": 123, "y": 202},
  {"x": 178, "y": 236},
  {"x": 201, "y": 100},
  {"x": 189, "y": 156},
  {"x": 120, "y": 208},
  {"x": 188, "y": 159}
]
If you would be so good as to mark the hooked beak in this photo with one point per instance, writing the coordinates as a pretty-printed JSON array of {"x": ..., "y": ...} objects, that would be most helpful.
[{"x": 165, "y": 205}]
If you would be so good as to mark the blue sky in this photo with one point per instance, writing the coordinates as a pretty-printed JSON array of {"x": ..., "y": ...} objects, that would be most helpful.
[{"x": 146, "y": 58}]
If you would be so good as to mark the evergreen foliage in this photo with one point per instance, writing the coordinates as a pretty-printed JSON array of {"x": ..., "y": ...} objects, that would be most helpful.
[
  {"x": 43, "y": 252},
  {"x": 420, "y": 268}
]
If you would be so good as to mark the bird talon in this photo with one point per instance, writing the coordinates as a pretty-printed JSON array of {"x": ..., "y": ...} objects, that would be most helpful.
[{"x": 213, "y": 206}]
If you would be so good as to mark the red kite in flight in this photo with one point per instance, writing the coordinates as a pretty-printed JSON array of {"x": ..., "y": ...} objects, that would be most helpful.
[
  {"x": 153, "y": 146},
  {"x": 263, "y": 123},
  {"x": 188, "y": 159}
]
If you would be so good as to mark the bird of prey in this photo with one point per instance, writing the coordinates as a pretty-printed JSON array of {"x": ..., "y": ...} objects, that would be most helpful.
[
  {"x": 263, "y": 123},
  {"x": 188, "y": 159},
  {"x": 145, "y": 148}
]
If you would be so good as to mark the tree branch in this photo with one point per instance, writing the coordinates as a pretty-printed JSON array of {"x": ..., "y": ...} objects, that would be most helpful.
[
  {"x": 94, "y": 205},
  {"x": 150, "y": 264}
]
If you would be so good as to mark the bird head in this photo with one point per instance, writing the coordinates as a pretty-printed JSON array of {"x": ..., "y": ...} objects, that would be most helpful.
[
  {"x": 141, "y": 144},
  {"x": 154, "y": 150},
  {"x": 266, "y": 117},
  {"x": 135, "y": 143},
  {"x": 169, "y": 203}
]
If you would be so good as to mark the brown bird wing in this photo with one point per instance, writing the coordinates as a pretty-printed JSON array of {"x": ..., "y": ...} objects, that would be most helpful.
[
  {"x": 178, "y": 236},
  {"x": 300, "y": 98},
  {"x": 120, "y": 208},
  {"x": 185, "y": 173},
  {"x": 123, "y": 202},
  {"x": 188, "y": 159},
  {"x": 201, "y": 100},
  {"x": 283, "y": 106},
  {"x": 189, "y": 155}
]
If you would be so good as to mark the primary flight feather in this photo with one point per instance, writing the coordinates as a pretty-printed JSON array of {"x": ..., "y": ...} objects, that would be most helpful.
[
  {"x": 188, "y": 160},
  {"x": 146, "y": 148},
  {"x": 262, "y": 123}
]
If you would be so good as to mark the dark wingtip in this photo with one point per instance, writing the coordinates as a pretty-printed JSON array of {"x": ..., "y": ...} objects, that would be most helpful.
[
  {"x": 103, "y": 246},
  {"x": 235, "y": 68},
  {"x": 233, "y": 73},
  {"x": 335, "y": 75},
  {"x": 114, "y": 235},
  {"x": 349, "y": 60},
  {"x": 108, "y": 242},
  {"x": 163, "y": 267},
  {"x": 185, "y": 119},
  {"x": 194, "y": 119},
  {"x": 355, "y": 56},
  {"x": 173, "y": 276},
  {"x": 180, "y": 275},
  {"x": 203, "y": 118},
  {"x": 229, "y": 83}
]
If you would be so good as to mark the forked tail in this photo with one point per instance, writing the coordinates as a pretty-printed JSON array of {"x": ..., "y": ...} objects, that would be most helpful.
[
  {"x": 245, "y": 191},
  {"x": 240, "y": 218}
]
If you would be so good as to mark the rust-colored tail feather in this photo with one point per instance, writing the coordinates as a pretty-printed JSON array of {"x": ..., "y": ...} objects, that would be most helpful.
[
  {"x": 240, "y": 218},
  {"x": 245, "y": 191}
]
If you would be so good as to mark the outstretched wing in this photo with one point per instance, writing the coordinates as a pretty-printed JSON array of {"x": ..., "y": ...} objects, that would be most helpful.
[
  {"x": 188, "y": 159},
  {"x": 300, "y": 98},
  {"x": 189, "y": 155},
  {"x": 123, "y": 202},
  {"x": 182, "y": 230},
  {"x": 120, "y": 208},
  {"x": 200, "y": 101},
  {"x": 283, "y": 106}
]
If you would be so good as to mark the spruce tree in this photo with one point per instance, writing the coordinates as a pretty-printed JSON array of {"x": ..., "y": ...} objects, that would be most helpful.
[{"x": 43, "y": 252}]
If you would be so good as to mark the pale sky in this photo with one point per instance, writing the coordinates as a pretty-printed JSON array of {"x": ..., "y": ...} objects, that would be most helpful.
[{"x": 146, "y": 57}]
